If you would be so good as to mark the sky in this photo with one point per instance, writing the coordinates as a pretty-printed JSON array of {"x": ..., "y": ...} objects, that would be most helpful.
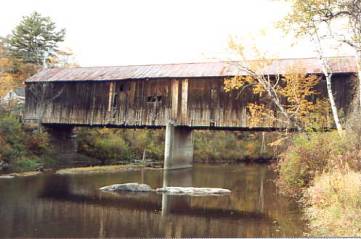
[{"x": 129, "y": 32}]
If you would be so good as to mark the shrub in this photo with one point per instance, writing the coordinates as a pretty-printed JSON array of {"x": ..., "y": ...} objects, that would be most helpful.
[
  {"x": 38, "y": 143},
  {"x": 22, "y": 150},
  {"x": 308, "y": 156},
  {"x": 105, "y": 144},
  {"x": 213, "y": 146},
  {"x": 112, "y": 147},
  {"x": 333, "y": 204},
  {"x": 152, "y": 141},
  {"x": 26, "y": 164}
]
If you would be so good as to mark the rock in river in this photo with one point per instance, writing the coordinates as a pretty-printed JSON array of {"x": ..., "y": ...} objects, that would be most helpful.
[
  {"x": 6, "y": 176},
  {"x": 4, "y": 165},
  {"x": 193, "y": 191},
  {"x": 127, "y": 187}
]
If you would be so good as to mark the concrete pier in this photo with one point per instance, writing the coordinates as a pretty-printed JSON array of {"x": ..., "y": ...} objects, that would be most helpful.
[
  {"x": 63, "y": 142},
  {"x": 178, "y": 151}
]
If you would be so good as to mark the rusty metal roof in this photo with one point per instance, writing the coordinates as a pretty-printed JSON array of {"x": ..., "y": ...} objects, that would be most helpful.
[{"x": 187, "y": 70}]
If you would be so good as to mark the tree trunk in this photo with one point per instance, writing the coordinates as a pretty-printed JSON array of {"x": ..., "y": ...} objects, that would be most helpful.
[
  {"x": 330, "y": 94},
  {"x": 291, "y": 123},
  {"x": 327, "y": 71},
  {"x": 333, "y": 104}
]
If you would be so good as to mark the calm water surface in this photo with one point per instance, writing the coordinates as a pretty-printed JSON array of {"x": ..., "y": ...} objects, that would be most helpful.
[{"x": 72, "y": 206}]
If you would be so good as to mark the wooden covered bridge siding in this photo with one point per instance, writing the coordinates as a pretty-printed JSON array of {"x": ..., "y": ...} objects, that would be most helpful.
[
  {"x": 152, "y": 103},
  {"x": 129, "y": 103},
  {"x": 153, "y": 95},
  {"x": 118, "y": 103}
]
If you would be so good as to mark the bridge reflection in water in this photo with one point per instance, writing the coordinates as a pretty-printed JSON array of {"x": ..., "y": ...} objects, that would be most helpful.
[
  {"x": 72, "y": 206},
  {"x": 176, "y": 178}
]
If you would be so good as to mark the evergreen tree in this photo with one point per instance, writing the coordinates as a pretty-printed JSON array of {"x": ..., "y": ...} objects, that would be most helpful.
[{"x": 35, "y": 39}]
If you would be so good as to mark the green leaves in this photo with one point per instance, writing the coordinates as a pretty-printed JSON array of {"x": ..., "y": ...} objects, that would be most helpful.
[{"x": 21, "y": 149}]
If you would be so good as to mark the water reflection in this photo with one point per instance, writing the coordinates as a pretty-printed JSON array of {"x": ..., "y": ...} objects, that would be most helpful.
[
  {"x": 176, "y": 178},
  {"x": 59, "y": 206}
]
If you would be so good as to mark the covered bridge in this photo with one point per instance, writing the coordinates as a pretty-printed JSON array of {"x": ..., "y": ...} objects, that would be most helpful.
[{"x": 190, "y": 94}]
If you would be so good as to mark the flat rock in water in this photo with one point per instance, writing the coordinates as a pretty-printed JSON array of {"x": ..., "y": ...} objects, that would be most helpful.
[
  {"x": 193, "y": 191},
  {"x": 6, "y": 177},
  {"x": 127, "y": 187}
]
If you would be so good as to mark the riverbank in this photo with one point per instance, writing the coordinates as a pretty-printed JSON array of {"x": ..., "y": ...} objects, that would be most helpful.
[
  {"x": 323, "y": 171},
  {"x": 24, "y": 174}
]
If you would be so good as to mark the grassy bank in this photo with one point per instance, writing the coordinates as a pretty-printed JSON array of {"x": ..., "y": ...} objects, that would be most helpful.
[
  {"x": 323, "y": 171},
  {"x": 333, "y": 204},
  {"x": 21, "y": 150},
  {"x": 118, "y": 145}
]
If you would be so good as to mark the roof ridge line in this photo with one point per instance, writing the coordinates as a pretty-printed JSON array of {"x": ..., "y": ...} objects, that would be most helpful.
[{"x": 203, "y": 62}]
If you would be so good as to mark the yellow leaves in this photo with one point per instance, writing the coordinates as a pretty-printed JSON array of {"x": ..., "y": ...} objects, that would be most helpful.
[
  {"x": 8, "y": 82},
  {"x": 258, "y": 90},
  {"x": 10, "y": 78},
  {"x": 5, "y": 83},
  {"x": 238, "y": 48},
  {"x": 237, "y": 83},
  {"x": 297, "y": 92},
  {"x": 260, "y": 114},
  {"x": 5, "y": 63},
  {"x": 291, "y": 96},
  {"x": 298, "y": 85}
]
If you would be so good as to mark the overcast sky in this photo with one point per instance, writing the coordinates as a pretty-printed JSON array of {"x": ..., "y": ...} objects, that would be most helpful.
[{"x": 122, "y": 32}]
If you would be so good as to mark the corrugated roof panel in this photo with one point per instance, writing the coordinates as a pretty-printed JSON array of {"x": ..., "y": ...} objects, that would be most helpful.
[{"x": 188, "y": 70}]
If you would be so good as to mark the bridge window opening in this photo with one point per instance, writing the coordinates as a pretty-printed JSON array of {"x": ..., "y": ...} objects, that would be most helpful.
[
  {"x": 150, "y": 99},
  {"x": 153, "y": 99}
]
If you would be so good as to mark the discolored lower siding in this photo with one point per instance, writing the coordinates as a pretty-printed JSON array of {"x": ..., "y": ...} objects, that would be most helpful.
[{"x": 196, "y": 102}]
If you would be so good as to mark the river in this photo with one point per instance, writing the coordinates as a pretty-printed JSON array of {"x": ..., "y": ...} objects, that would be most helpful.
[{"x": 52, "y": 205}]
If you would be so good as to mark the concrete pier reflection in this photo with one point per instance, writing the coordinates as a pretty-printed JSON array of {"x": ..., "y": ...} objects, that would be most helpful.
[{"x": 176, "y": 178}]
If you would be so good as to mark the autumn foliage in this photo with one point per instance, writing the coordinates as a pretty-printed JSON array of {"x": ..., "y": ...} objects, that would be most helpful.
[
  {"x": 13, "y": 72},
  {"x": 296, "y": 92}
]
